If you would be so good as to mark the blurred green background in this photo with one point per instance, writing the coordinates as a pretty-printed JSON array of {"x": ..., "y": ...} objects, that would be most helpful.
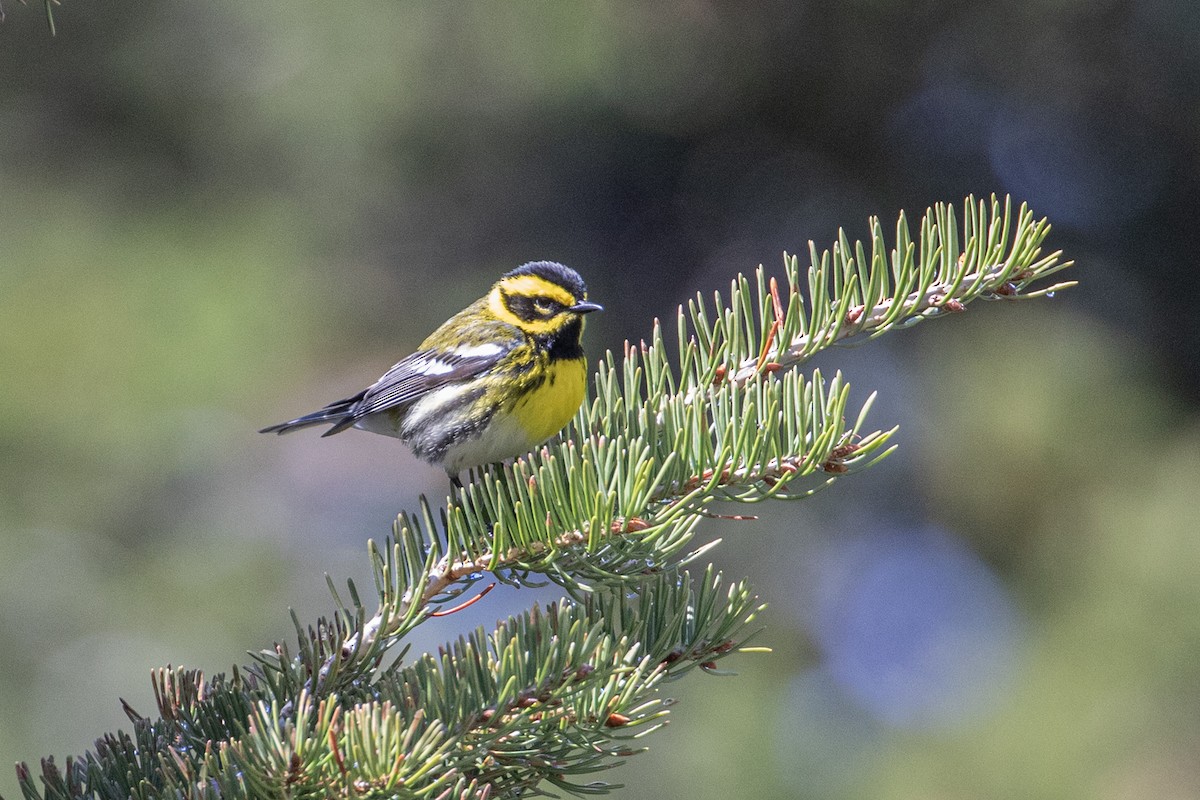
[{"x": 214, "y": 216}]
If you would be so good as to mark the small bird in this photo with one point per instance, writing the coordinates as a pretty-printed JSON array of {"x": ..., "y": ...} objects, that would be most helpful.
[{"x": 494, "y": 381}]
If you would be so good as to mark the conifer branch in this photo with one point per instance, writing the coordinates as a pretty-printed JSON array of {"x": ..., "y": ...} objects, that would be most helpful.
[
  {"x": 853, "y": 295},
  {"x": 624, "y": 489},
  {"x": 551, "y": 695},
  {"x": 608, "y": 512}
]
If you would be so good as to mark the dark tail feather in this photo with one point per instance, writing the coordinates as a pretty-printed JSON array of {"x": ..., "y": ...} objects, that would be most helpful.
[{"x": 341, "y": 414}]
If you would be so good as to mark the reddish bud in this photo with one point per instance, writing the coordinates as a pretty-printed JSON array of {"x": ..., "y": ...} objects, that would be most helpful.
[
  {"x": 672, "y": 657},
  {"x": 843, "y": 451}
]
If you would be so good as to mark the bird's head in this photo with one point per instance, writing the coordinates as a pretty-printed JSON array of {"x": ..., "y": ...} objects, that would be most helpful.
[{"x": 542, "y": 298}]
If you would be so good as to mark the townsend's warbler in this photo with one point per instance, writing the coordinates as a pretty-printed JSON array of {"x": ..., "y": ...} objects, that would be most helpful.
[{"x": 494, "y": 381}]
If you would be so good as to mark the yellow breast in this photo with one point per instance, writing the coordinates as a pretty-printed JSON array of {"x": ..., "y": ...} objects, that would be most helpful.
[{"x": 547, "y": 409}]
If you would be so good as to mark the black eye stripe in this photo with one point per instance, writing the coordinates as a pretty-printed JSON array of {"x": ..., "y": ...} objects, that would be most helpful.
[
  {"x": 522, "y": 305},
  {"x": 529, "y": 308}
]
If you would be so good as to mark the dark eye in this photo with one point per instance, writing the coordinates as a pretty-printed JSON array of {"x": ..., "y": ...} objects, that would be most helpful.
[{"x": 545, "y": 307}]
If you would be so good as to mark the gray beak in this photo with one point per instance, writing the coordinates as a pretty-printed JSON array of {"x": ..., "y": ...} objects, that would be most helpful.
[{"x": 585, "y": 308}]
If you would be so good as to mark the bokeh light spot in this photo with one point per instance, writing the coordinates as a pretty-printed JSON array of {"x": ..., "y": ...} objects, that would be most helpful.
[{"x": 914, "y": 627}]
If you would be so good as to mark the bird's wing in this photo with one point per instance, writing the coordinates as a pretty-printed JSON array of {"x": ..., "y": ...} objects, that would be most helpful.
[{"x": 426, "y": 370}]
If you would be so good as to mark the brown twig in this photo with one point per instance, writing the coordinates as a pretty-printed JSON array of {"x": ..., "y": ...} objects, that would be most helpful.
[{"x": 467, "y": 604}]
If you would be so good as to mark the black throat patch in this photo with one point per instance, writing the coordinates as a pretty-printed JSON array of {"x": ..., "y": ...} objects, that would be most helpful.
[{"x": 565, "y": 342}]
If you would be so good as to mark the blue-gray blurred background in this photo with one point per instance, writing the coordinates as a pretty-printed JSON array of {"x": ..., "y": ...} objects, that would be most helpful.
[{"x": 214, "y": 216}]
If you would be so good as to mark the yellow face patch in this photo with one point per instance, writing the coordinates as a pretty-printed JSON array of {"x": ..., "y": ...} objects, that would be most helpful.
[
  {"x": 497, "y": 307},
  {"x": 529, "y": 286}
]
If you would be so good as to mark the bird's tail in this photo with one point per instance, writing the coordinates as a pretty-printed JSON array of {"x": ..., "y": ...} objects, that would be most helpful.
[{"x": 340, "y": 414}]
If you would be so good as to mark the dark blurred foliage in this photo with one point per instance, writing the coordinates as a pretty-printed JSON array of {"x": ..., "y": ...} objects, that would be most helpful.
[{"x": 217, "y": 215}]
